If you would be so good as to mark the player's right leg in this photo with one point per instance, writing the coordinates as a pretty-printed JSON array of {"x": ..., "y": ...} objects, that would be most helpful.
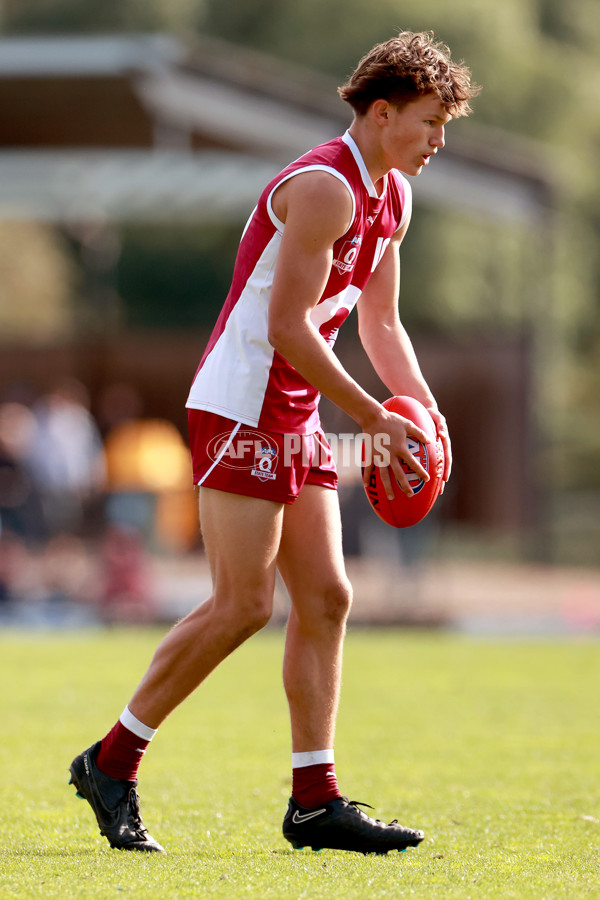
[{"x": 241, "y": 536}]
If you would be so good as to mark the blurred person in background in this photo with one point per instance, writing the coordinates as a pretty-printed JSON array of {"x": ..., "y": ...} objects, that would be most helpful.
[
  {"x": 20, "y": 503},
  {"x": 324, "y": 237},
  {"x": 46, "y": 578},
  {"x": 66, "y": 457},
  {"x": 21, "y": 520}
]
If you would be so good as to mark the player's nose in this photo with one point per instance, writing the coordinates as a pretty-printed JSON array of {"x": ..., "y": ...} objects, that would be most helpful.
[{"x": 438, "y": 138}]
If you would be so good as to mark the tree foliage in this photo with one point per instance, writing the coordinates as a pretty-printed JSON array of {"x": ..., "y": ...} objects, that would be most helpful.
[{"x": 538, "y": 63}]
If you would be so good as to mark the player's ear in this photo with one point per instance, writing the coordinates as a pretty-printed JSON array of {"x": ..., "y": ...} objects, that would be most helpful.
[{"x": 380, "y": 110}]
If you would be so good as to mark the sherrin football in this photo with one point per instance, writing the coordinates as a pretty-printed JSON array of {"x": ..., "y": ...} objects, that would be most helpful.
[{"x": 403, "y": 511}]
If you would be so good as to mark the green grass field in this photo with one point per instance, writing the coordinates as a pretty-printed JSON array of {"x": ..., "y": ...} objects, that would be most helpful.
[{"x": 491, "y": 746}]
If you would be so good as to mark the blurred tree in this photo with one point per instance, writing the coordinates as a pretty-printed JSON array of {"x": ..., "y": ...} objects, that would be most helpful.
[
  {"x": 175, "y": 277},
  {"x": 64, "y": 16},
  {"x": 539, "y": 66},
  {"x": 38, "y": 280}
]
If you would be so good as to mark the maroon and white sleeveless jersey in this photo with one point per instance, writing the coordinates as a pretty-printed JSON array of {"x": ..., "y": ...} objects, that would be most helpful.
[{"x": 241, "y": 376}]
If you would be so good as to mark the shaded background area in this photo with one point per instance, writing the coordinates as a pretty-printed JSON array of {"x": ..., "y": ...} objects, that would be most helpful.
[{"x": 133, "y": 144}]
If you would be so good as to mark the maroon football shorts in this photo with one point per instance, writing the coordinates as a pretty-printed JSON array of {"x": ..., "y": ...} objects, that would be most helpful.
[{"x": 230, "y": 456}]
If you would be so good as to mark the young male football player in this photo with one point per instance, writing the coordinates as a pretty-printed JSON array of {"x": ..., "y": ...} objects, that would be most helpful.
[{"x": 323, "y": 238}]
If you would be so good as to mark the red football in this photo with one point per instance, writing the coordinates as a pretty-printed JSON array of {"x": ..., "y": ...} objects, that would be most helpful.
[{"x": 403, "y": 511}]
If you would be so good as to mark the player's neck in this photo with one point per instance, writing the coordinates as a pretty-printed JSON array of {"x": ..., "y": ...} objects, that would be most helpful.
[{"x": 370, "y": 150}]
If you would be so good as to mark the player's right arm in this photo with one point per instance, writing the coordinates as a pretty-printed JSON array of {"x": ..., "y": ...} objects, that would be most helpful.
[{"x": 316, "y": 209}]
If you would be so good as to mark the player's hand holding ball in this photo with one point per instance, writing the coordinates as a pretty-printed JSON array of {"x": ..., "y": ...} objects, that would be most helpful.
[
  {"x": 403, "y": 492},
  {"x": 441, "y": 429}
]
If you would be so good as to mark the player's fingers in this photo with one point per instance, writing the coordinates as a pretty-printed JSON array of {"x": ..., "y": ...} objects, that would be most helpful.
[
  {"x": 386, "y": 480},
  {"x": 415, "y": 432},
  {"x": 413, "y": 464},
  {"x": 397, "y": 472},
  {"x": 367, "y": 472},
  {"x": 445, "y": 438},
  {"x": 442, "y": 432}
]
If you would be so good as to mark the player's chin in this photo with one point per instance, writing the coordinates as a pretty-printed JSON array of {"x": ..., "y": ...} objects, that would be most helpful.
[{"x": 412, "y": 169}]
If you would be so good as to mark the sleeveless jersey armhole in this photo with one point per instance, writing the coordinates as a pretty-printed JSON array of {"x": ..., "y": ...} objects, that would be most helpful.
[
  {"x": 407, "y": 205},
  {"x": 279, "y": 225}
]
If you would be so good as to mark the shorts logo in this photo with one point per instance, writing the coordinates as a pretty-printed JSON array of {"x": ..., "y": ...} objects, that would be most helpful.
[
  {"x": 248, "y": 449},
  {"x": 265, "y": 461}
]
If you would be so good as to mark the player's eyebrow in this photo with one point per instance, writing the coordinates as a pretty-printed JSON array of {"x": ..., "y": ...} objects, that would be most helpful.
[{"x": 443, "y": 120}]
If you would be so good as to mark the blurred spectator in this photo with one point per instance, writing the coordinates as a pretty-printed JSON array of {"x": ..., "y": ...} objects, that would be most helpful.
[
  {"x": 66, "y": 456},
  {"x": 13, "y": 556},
  {"x": 20, "y": 505},
  {"x": 57, "y": 465}
]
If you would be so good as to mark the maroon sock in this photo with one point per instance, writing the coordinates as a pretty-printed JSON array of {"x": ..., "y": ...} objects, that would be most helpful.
[
  {"x": 313, "y": 785},
  {"x": 121, "y": 753}
]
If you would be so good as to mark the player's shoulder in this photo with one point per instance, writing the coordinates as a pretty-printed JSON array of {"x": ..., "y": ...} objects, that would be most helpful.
[
  {"x": 320, "y": 198},
  {"x": 321, "y": 184},
  {"x": 333, "y": 157},
  {"x": 331, "y": 152},
  {"x": 315, "y": 187}
]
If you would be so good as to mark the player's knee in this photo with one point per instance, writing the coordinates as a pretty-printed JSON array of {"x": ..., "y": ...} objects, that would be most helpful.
[
  {"x": 254, "y": 612},
  {"x": 336, "y": 601}
]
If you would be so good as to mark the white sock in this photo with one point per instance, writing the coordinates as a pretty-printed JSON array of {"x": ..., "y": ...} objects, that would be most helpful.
[
  {"x": 311, "y": 758},
  {"x": 129, "y": 721}
]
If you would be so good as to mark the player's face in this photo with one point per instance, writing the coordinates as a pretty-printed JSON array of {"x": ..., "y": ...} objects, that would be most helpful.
[{"x": 414, "y": 133}]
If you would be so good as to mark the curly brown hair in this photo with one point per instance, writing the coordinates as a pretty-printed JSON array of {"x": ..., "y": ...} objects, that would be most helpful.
[{"x": 406, "y": 67}]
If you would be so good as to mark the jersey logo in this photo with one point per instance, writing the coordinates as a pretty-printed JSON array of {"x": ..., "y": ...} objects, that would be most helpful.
[{"x": 347, "y": 256}]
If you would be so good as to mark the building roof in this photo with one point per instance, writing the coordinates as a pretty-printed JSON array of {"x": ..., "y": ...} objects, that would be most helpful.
[{"x": 146, "y": 126}]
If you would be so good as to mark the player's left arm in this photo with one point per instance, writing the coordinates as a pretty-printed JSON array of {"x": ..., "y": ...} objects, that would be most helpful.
[{"x": 387, "y": 343}]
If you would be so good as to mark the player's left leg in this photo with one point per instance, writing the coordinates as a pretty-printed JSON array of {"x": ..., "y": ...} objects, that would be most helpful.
[
  {"x": 312, "y": 566},
  {"x": 311, "y": 563}
]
